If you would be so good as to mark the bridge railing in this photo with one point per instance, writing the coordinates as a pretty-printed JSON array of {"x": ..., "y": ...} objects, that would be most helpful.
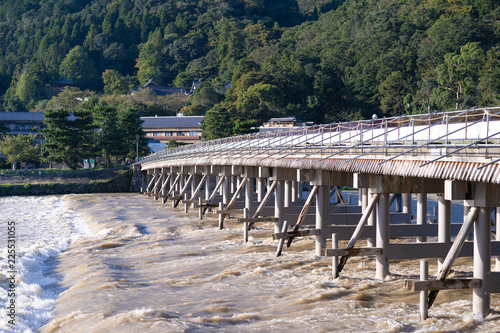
[{"x": 456, "y": 128}]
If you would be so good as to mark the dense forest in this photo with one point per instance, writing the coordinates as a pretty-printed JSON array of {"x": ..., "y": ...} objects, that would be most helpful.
[{"x": 320, "y": 60}]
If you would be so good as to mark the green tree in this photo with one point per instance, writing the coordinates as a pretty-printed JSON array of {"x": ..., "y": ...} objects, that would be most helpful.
[
  {"x": 392, "y": 94},
  {"x": 260, "y": 102},
  {"x": 183, "y": 80},
  {"x": 81, "y": 69},
  {"x": 69, "y": 99},
  {"x": 26, "y": 89},
  {"x": 110, "y": 136},
  {"x": 66, "y": 138},
  {"x": 151, "y": 61},
  {"x": 458, "y": 76},
  {"x": 130, "y": 123},
  {"x": 171, "y": 144},
  {"x": 489, "y": 83},
  {"x": 20, "y": 148},
  {"x": 217, "y": 123},
  {"x": 115, "y": 83}
]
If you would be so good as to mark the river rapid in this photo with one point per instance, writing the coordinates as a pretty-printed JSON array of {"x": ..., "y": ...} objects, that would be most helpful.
[{"x": 127, "y": 263}]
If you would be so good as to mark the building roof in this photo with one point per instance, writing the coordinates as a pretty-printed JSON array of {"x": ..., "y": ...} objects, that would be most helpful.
[
  {"x": 175, "y": 121},
  {"x": 22, "y": 116},
  {"x": 26, "y": 116},
  {"x": 65, "y": 82},
  {"x": 162, "y": 91},
  {"x": 285, "y": 119}
]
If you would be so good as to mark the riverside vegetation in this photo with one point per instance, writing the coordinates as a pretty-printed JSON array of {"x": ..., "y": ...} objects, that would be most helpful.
[{"x": 65, "y": 182}]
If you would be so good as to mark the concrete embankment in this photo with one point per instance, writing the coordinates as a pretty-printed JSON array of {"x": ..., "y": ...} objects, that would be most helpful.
[{"x": 99, "y": 181}]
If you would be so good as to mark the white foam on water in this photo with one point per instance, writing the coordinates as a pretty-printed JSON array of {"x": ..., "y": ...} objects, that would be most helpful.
[{"x": 44, "y": 227}]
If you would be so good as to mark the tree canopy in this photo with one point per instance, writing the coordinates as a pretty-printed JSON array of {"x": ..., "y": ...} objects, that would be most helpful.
[{"x": 321, "y": 60}]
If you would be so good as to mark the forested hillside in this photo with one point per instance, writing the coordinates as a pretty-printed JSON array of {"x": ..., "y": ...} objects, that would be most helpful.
[{"x": 317, "y": 59}]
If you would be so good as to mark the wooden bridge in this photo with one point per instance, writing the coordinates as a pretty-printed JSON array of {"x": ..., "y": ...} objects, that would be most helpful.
[{"x": 453, "y": 154}]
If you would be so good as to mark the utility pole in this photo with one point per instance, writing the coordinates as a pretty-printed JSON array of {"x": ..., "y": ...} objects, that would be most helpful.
[{"x": 137, "y": 147}]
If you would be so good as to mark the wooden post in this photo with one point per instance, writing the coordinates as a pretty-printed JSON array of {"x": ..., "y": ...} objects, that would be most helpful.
[
  {"x": 200, "y": 214},
  {"x": 221, "y": 220},
  {"x": 482, "y": 261},
  {"x": 424, "y": 275},
  {"x": 454, "y": 250},
  {"x": 186, "y": 205},
  {"x": 245, "y": 225},
  {"x": 282, "y": 240},
  {"x": 335, "y": 259}
]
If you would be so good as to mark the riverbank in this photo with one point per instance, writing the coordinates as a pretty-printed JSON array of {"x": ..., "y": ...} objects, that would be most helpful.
[{"x": 95, "y": 181}]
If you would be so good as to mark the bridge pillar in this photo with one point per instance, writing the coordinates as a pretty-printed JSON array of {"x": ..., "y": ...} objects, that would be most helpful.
[
  {"x": 261, "y": 185},
  {"x": 250, "y": 173},
  {"x": 158, "y": 174},
  {"x": 482, "y": 261},
  {"x": 382, "y": 234},
  {"x": 208, "y": 186},
  {"x": 406, "y": 203},
  {"x": 444, "y": 223},
  {"x": 497, "y": 236},
  {"x": 288, "y": 193},
  {"x": 281, "y": 175},
  {"x": 279, "y": 212},
  {"x": 485, "y": 196},
  {"x": 421, "y": 213},
  {"x": 295, "y": 191},
  {"x": 262, "y": 174},
  {"x": 226, "y": 190},
  {"x": 372, "y": 219},
  {"x": 322, "y": 203},
  {"x": 363, "y": 198}
]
